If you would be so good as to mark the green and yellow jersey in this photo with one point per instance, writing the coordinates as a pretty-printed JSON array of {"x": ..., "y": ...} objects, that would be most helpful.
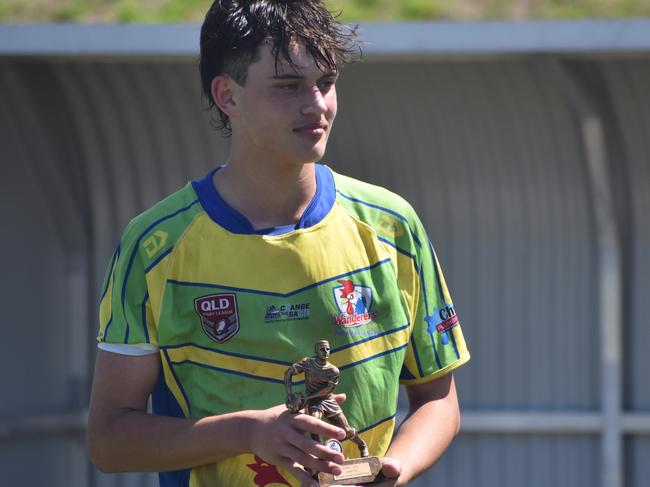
[{"x": 230, "y": 308}]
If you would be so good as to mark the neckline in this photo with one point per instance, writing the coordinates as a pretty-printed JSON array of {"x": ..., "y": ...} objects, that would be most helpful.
[{"x": 235, "y": 222}]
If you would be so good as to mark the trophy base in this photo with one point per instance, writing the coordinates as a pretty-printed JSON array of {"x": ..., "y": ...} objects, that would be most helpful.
[{"x": 355, "y": 471}]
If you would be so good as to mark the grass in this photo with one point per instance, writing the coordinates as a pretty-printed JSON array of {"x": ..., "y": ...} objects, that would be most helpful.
[{"x": 163, "y": 11}]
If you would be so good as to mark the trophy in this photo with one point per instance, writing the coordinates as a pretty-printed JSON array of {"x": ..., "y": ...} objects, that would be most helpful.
[{"x": 321, "y": 378}]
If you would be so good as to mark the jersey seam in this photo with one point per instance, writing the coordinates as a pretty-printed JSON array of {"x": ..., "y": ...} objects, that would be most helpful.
[{"x": 172, "y": 258}]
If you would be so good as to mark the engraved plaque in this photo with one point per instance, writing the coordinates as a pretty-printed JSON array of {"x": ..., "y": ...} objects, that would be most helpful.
[{"x": 356, "y": 471}]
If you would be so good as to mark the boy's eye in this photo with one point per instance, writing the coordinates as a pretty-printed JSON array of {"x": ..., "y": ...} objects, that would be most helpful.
[
  {"x": 326, "y": 84},
  {"x": 289, "y": 87}
]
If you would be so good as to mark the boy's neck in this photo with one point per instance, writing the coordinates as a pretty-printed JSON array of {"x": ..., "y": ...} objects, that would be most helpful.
[{"x": 267, "y": 194}]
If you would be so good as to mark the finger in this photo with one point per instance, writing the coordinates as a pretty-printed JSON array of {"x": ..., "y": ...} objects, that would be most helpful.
[
  {"x": 309, "y": 424},
  {"x": 304, "y": 477},
  {"x": 310, "y": 462},
  {"x": 340, "y": 398},
  {"x": 315, "y": 448}
]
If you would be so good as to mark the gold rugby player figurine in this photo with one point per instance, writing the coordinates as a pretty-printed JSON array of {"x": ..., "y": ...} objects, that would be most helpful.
[{"x": 321, "y": 378}]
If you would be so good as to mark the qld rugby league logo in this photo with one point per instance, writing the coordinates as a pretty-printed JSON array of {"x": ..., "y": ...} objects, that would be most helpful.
[
  {"x": 219, "y": 318},
  {"x": 354, "y": 304}
]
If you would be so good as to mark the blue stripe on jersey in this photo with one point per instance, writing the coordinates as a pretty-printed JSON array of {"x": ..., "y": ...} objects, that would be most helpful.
[
  {"x": 426, "y": 311},
  {"x": 386, "y": 210},
  {"x": 435, "y": 268},
  {"x": 127, "y": 332},
  {"x": 179, "y": 478},
  {"x": 401, "y": 251},
  {"x": 269, "y": 293},
  {"x": 229, "y": 371},
  {"x": 178, "y": 383},
  {"x": 135, "y": 252},
  {"x": 405, "y": 374},
  {"x": 377, "y": 423},
  {"x": 417, "y": 358},
  {"x": 144, "y": 316},
  {"x": 230, "y": 354},
  {"x": 116, "y": 254},
  {"x": 160, "y": 257},
  {"x": 108, "y": 325},
  {"x": 372, "y": 357},
  {"x": 163, "y": 403},
  {"x": 350, "y": 345}
]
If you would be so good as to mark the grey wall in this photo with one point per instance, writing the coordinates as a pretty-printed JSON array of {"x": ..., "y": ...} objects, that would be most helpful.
[{"x": 490, "y": 153}]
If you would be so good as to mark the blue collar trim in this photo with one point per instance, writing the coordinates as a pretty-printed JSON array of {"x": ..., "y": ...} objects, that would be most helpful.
[{"x": 233, "y": 221}]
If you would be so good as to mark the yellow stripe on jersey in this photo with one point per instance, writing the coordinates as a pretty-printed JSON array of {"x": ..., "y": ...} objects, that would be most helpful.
[
  {"x": 407, "y": 281},
  {"x": 170, "y": 380},
  {"x": 250, "y": 366},
  {"x": 443, "y": 283},
  {"x": 264, "y": 369},
  {"x": 370, "y": 348},
  {"x": 255, "y": 273}
]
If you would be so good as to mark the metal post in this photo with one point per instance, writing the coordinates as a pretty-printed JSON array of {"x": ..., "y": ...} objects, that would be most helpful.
[{"x": 609, "y": 262}]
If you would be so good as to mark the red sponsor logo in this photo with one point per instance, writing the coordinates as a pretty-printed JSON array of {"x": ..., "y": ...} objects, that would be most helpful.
[
  {"x": 354, "y": 304},
  {"x": 266, "y": 473},
  {"x": 219, "y": 317},
  {"x": 354, "y": 320},
  {"x": 447, "y": 324}
]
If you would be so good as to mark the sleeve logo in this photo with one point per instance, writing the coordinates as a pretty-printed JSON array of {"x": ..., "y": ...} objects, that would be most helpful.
[
  {"x": 389, "y": 226},
  {"x": 443, "y": 320},
  {"x": 155, "y": 243}
]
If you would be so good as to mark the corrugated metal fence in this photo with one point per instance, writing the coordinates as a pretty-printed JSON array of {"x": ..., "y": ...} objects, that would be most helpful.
[{"x": 525, "y": 149}]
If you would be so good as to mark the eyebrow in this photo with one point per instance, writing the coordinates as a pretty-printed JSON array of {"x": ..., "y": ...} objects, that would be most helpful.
[{"x": 329, "y": 74}]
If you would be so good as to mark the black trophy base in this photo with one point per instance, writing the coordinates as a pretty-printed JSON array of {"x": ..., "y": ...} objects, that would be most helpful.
[{"x": 356, "y": 471}]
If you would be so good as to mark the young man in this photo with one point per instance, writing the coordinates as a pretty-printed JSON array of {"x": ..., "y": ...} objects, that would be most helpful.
[{"x": 217, "y": 289}]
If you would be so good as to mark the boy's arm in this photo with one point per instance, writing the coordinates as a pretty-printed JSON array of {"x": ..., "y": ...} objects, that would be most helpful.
[
  {"x": 122, "y": 436},
  {"x": 428, "y": 430}
]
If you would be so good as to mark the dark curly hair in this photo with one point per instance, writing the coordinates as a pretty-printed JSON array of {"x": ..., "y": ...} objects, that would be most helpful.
[{"x": 233, "y": 31}]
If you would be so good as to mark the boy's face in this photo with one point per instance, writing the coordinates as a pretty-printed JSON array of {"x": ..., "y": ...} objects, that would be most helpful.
[{"x": 285, "y": 114}]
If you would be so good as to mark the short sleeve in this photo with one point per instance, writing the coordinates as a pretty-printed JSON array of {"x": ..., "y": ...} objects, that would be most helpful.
[
  {"x": 437, "y": 345},
  {"x": 125, "y": 315}
]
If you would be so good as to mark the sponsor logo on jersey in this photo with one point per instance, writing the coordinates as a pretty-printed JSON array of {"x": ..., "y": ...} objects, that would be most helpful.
[
  {"x": 219, "y": 317},
  {"x": 389, "y": 226},
  {"x": 354, "y": 304},
  {"x": 155, "y": 243},
  {"x": 287, "y": 312},
  {"x": 266, "y": 474},
  {"x": 443, "y": 320}
]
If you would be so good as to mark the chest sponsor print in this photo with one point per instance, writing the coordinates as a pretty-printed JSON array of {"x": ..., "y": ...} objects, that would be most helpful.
[
  {"x": 354, "y": 303},
  {"x": 287, "y": 312},
  {"x": 219, "y": 316}
]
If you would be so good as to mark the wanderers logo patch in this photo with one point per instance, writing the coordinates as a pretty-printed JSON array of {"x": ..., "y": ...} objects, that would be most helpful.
[
  {"x": 219, "y": 317},
  {"x": 354, "y": 304}
]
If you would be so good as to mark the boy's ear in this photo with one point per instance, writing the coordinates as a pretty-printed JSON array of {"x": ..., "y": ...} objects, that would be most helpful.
[{"x": 222, "y": 94}]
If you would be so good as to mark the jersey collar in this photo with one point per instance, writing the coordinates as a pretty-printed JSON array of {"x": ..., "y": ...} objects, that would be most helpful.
[{"x": 233, "y": 221}]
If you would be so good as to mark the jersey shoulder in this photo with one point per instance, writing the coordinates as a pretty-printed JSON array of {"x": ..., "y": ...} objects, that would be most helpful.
[
  {"x": 390, "y": 215},
  {"x": 352, "y": 189},
  {"x": 155, "y": 231}
]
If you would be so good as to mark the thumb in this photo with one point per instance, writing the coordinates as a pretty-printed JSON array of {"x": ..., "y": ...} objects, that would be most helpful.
[{"x": 391, "y": 468}]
